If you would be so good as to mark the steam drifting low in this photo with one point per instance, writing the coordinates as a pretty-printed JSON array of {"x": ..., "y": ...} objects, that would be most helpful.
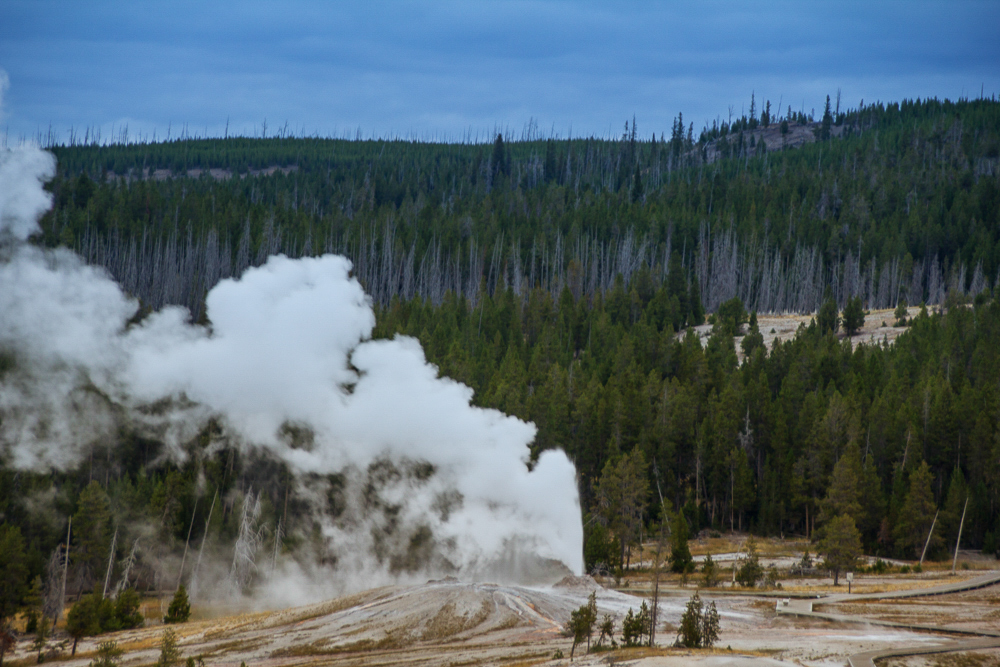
[{"x": 426, "y": 484}]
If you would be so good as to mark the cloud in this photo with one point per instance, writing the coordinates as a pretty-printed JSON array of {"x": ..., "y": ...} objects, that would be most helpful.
[{"x": 443, "y": 67}]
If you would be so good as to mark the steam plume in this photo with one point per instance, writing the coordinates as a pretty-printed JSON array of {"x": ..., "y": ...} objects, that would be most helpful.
[{"x": 427, "y": 482}]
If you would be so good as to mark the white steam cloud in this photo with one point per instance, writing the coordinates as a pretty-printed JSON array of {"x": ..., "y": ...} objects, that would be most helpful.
[{"x": 289, "y": 344}]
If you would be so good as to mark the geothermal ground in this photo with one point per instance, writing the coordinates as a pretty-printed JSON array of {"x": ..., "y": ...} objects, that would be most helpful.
[{"x": 450, "y": 622}]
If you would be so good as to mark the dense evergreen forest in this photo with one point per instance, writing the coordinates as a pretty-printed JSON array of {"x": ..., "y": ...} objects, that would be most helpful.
[
  {"x": 558, "y": 279},
  {"x": 890, "y": 202}
]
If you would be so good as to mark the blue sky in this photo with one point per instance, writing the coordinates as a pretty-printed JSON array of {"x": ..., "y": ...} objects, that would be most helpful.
[{"x": 437, "y": 70}]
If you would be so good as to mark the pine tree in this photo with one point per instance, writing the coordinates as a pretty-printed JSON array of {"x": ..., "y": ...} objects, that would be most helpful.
[
  {"x": 607, "y": 629},
  {"x": 581, "y": 623},
  {"x": 108, "y": 655},
  {"x": 750, "y": 571},
  {"x": 33, "y": 600},
  {"x": 13, "y": 582},
  {"x": 844, "y": 495},
  {"x": 92, "y": 532},
  {"x": 551, "y": 168},
  {"x": 179, "y": 610},
  {"x": 824, "y": 134},
  {"x": 917, "y": 515},
  {"x": 710, "y": 571},
  {"x": 637, "y": 188},
  {"x": 13, "y": 571},
  {"x": 900, "y": 313},
  {"x": 699, "y": 626},
  {"x": 954, "y": 504},
  {"x": 84, "y": 619},
  {"x": 170, "y": 654},
  {"x": 621, "y": 493},
  {"x": 680, "y": 554},
  {"x": 753, "y": 340},
  {"x": 501, "y": 166},
  {"x": 854, "y": 316},
  {"x": 636, "y": 626},
  {"x": 828, "y": 319},
  {"x": 127, "y": 609},
  {"x": 841, "y": 545}
]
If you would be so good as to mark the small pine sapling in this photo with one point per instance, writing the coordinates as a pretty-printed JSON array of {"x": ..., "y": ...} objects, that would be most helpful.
[{"x": 179, "y": 610}]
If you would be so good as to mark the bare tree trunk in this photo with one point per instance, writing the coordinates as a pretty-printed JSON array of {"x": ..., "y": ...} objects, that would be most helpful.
[
  {"x": 69, "y": 529},
  {"x": 186, "y": 543}
]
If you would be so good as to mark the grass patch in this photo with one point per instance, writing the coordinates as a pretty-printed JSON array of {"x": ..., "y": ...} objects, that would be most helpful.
[
  {"x": 446, "y": 623},
  {"x": 965, "y": 660}
]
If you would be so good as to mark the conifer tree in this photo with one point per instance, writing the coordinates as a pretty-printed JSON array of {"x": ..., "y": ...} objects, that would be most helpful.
[
  {"x": 500, "y": 162},
  {"x": 170, "y": 654},
  {"x": 699, "y": 626},
  {"x": 951, "y": 513},
  {"x": 917, "y": 515},
  {"x": 680, "y": 553},
  {"x": 854, "y": 316},
  {"x": 750, "y": 571},
  {"x": 828, "y": 319},
  {"x": 710, "y": 571},
  {"x": 841, "y": 545},
  {"x": 827, "y": 122},
  {"x": 179, "y": 610},
  {"x": 108, "y": 654},
  {"x": 92, "y": 532},
  {"x": 13, "y": 571},
  {"x": 84, "y": 619},
  {"x": 622, "y": 492},
  {"x": 844, "y": 494},
  {"x": 637, "y": 188}
]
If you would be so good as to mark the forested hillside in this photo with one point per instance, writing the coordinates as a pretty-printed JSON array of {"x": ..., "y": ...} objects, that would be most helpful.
[
  {"x": 557, "y": 278},
  {"x": 779, "y": 444},
  {"x": 891, "y": 201}
]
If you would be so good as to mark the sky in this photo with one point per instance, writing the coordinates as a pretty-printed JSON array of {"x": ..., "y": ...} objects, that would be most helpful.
[{"x": 449, "y": 70}]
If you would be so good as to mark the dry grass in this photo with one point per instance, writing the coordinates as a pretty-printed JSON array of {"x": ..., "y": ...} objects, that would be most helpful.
[
  {"x": 240, "y": 645},
  {"x": 515, "y": 621},
  {"x": 393, "y": 640},
  {"x": 520, "y": 662},
  {"x": 899, "y": 583},
  {"x": 337, "y": 605},
  {"x": 965, "y": 660},
  {"x": 446, "y": 623}
]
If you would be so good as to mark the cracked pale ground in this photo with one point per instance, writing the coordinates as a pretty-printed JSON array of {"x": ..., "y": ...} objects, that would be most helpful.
[{"x": 455, "y": 623}]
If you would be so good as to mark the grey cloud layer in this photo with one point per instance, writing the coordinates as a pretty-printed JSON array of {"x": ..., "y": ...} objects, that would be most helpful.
[{"x": 443, "y": 67}]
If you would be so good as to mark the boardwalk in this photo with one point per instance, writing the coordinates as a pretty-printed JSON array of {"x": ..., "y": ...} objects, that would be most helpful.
[{"x": 983, "y": 638}]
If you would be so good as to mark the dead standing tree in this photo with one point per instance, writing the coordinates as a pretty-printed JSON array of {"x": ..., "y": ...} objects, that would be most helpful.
[{"x": 247, "y": 544}]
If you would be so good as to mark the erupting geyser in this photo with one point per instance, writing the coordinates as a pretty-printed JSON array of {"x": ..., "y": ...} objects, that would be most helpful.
[{"x": 423, "y": 482}]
